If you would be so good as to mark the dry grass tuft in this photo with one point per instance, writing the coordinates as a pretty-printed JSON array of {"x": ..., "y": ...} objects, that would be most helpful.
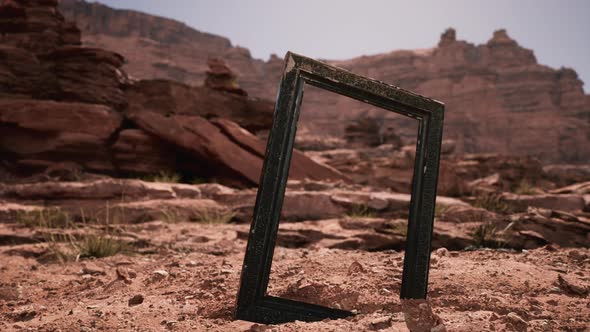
[
  {"x": 213, "y": 216},
  {"x": 360, "y": 211},
  {"x": 492, "y": 203}
]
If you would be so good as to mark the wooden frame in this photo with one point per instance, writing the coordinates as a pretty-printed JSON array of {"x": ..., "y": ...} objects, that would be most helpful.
[{"x": 253, "y": 304}]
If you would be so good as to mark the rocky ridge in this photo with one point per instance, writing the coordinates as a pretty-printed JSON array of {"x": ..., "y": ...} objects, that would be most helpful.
[
  {"x": 499, "y": 99},
  {"x": 67, "y": 103}
]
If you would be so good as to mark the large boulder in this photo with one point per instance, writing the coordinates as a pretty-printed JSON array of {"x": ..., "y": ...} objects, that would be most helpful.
[
  {"x": 565, "y": 202},
  {"x": 37, "y": 134},
  {"x": 302, "y": 167},
  {"x": 88, "y": 75},
  {"x": 205, "y": 141},
  {"x": 222, "y": 148},
  {"x": 174, "y": 98},
  {"x": 50, "y": 116},
  {"x": 137, "y": 152}
]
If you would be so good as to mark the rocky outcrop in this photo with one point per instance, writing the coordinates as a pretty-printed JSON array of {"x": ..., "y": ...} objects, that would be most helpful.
[
  {"x": 42, "y": 59},
  {"x": 490, "y": 90},
  {"x": 66, "y": 103},
  {"x": 220, "y": 77},
  {"x": 169, "y": 97},
  {"x": 37, "y": 134},
  {"x": 314, "y": 214}
]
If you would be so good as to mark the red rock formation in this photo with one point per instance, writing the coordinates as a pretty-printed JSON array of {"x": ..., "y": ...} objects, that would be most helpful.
[
  {"x": 168, "y": 97},
  {"x": 499, "y": 99},
  {"x": 65, "y": 103},
  {"x": 220, "y": 77}
]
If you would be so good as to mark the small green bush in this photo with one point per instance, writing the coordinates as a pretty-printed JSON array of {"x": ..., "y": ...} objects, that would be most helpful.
[
  {"x": 524, "y": 188},
  {"x": 492, "y": 203},
  {"x": 213, "y": 216},
  {"x": 163, "y": 176},
  {"x": 360, "y": 211}
]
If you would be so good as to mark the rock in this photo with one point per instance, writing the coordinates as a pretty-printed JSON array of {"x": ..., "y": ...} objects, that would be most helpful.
[
  {"x": 301, "y": 167},
  {"x": 125, "y": 275},
  {"x": 489, "y": 183},
  {"x": 537, "y": 228},
  {"x": 571, "y": 286},
  {"x": 380, "y": 323},
  {"x": 205, "y": 141},
  {"x": 135, "y": 300},
  {"x": 331, "y": 203},
  {"x": 41, "y": 134},
  {"x": 24, "y": 314},
  {"x": 170, "y": 211},
  {"x": 516, "y": 322},
  {"x": 220, "y": 77},
  {"x": 566, "y": 202},
  {"x": 160, "y": 275},
  {"x": 356, "y": 267},
  {"x": 173, "y": 98},
  {"x": 567, "y": 174},
  {"x": 441, "y": 252},
  {"x": 419, "y": 316},
  {"x": 582, "y": 188},
  {"x": 92, "y": 269},
  {"x": 479, "y": 83},
  {"x": 103, "y": 189},
  {"x": 55, "y": 117},
  {"x": 10, "y": 292},
  {"x": 47, "y": 31},
  {"x": 463, "y": 213},
  {"x": 89, "y": 75},
  {"x": 138, "y": 152},
  {"x": 228, "y": 150},
  {"x": 59, "y": 100}
]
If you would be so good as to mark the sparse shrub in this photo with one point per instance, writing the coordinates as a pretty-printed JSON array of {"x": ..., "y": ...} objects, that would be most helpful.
[
  {"x": 360, "y": 211},
  {"x": 99, "y": 246},
  {"x": 439, "y": 210},
  {"x": 213, "y": 216},
  {"x": 487, "y": 236},
  {"x": 398, "y": 228},
  {"x": 44, "y": 218},
  {"x": 524, "y": 188},
  {"x": 492, "y": 203},
  {"x": 73, "y": 241},
  {"x": 170, "y": 215},
  {"x": 163, "y": 176}
]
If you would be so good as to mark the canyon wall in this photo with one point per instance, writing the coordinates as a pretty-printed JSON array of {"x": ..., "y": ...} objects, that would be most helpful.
[{"x": 499, "y": 98}]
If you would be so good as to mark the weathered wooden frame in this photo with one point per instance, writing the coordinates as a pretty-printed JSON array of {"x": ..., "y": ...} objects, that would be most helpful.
[{"x": 253, "y": 304}]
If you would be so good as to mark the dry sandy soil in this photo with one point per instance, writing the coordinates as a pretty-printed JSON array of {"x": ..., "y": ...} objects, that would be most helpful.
[{"x": 186, "y": 279}]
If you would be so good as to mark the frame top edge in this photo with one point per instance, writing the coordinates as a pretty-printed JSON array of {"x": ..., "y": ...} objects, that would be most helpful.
[{"x": 294, "y": 61}]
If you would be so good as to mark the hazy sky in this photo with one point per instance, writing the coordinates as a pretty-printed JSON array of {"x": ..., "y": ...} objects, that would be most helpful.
[{"x": 557, "y": 30}]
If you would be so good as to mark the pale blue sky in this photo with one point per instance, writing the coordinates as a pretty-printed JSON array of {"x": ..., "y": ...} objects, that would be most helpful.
[{"x": 558, "y": 31}]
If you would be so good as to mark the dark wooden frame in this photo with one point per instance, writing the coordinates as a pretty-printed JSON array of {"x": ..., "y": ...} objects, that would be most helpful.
[{"x": 253, "y": 304}]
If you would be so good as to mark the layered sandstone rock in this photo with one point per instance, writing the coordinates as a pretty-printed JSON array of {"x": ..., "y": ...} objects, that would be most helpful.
[
  {"x": 42, "y": 58},
  {"x": 498, "y": 98},
  {"x": 220, "y": 77},
  {"x": 63, "y": 103},
  {"x": 168, "y": 97}
]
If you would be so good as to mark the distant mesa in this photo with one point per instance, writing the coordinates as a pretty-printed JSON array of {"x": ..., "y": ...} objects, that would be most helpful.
[{"x": 491, "y": 90}]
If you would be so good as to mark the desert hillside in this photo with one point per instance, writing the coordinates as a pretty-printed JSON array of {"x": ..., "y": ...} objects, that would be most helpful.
[
  {"x": 128, "y": 181},
  {"x": 499, "y": 98}
]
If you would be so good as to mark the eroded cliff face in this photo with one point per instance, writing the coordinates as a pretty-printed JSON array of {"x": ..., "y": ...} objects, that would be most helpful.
[
  {"x": 499, "y": 99},
  {"x": 69, "y": 107}
]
